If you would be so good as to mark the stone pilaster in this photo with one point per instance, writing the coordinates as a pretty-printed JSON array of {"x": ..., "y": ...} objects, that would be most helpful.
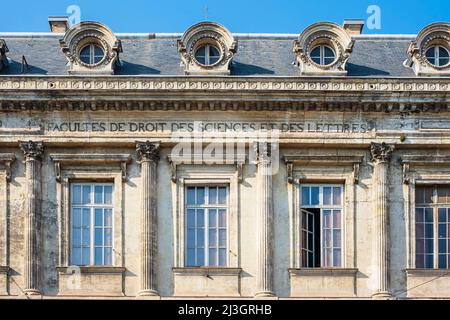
[
  {"x": 264, "y": 277},
  {"x": 33, "y": 152},
  {"x": 148, "y": 154},
  {"x": 381, "y": 156}
]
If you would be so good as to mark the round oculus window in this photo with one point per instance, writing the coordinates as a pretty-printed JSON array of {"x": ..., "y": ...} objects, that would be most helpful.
[
  {"x": 323, "y": 55},
  {"x": 438, "y": 56},
  {"x": 92, "y": 54},
  {"x": 207, "y": 55}
]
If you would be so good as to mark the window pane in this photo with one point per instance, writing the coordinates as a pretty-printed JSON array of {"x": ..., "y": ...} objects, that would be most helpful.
[
  {"x": 442, "y": 230},
  {"x": 315, "y": 195},
  {"x": 327, "y": 258},
  {"x": 222, "y": 195},
  {"x": 442, "y": 215},
  {"x": 305, "y": 196},
  {"x": 429, "y": 261},
  {"x": 316, "y": 53},
  {"x": 443, "y": 193},
  {"x": 327, "y": 195},
  {"x": 200, "y": 218},
  {"x": 86, "y": 259},
  {"x": 327, "y": 218},
  {"x": 107, "y": 241},
  {"x": 222, "y": 238},
  {"x": 442, "y": 261},
  {"x": 98, "y": 217},
  {"x": 430, "y": 53},
  {"x": 328, "y": 61},
  {"x": 85, "y": 54},
  {"x": 328, "y": 52},
  {"x": 420, "y": 215},
  {"x": 108, "y": 194},
  {"x": 222, "y": 218},
  {"x": 212, "y": 238},
  {"x": 327, "y": 238},
  {"x": 86, "y": 218},
  {"x": 337, "y": 219},
  {"x": 190, "y": 195},
  {"x": 98, "y": 237},
  {"x": 212, "y": 195},
  {"x": 76, "y": 237},
  {"x": 200, "y": 238},
  {"x": 212, "y": 218},
  {"x": 86, "y": 234},
  {"x": 190, "y": 257},
  {"x": 190, "y": 220},
  {"x": 429, "y": 246},
  {"x": 98, "y": 256},
  {"x": 337, "y": 257},
  {"x": 420, "y": 261},
  {"x": 108, "y": 256},
  {"x": 337, "y": 196},
  {"x": 190, "y": 238},
  {"x": 200, "y": 195},
  {"x": 222, "y": 257},
  {"x": 76, "y": 217},
  {"x": 420, "y": 246},
  {"x": 337, "y": 238},
  {"x": 108, "y": 218},
  {"x": 76, "y": 194},
  {"x": 429, "y": 215},
  {"x": 200, "y": 257},
  {"x": 212, "y": 257},
  {"x": 76, "y": 256},
  {"x": 98, "y": 194},
  {"x": 420, "y": 230},
  {"x": 86, "y": 194},
  {"x": 442, "y": 246},
  {"x": 443, "y": 53}
]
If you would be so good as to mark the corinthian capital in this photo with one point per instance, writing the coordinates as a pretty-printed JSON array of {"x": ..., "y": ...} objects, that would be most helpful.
[
  {"x": 263, "y": 151},
  {"x": 32, "y": 150},
  {"x": 147, "y": 151},
  {"x": 381, "y": 152}
]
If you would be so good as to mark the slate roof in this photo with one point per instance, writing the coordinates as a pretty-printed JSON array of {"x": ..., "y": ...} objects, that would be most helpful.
[{"x": 258, "y": 55}]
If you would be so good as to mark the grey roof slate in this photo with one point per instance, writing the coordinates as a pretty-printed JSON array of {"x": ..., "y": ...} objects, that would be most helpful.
[{"x": 256, "y": 56}]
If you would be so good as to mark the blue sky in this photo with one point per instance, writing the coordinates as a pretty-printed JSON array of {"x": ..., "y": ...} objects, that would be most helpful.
[{"x": 240, "y": 16}]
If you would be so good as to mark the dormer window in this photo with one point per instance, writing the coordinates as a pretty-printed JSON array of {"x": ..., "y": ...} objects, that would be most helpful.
[
  {"x": 323, "y": 49},
  {"x": 3, "y": 50},
  {"x": 438, "y": 56},
  {"x": 91, "y": 48},
  {"x": 323, "y": 55},
  {"x": 208, "y": 55},
  {"x": 207, "y": 48},
  {"x": 92, "y": 54},
  {"x": 430, "y": 52}
]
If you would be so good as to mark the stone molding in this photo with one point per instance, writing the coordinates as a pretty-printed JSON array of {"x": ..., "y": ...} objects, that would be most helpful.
[
  {"x": 411, "y": 160},
  {"x": 206, "y": 271},
  {"x": 88, "y": 159},
  {"x": 323, "y": 271},
  {"x": 91, "y": 269},
  {"x": 326, "y": 160}
]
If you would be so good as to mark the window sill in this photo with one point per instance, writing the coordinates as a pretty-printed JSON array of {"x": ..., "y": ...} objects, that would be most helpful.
[
  {"x": 206, "y": 271},
  {"x": 91, "y": 270},
  {"x": 428, "y": 272},
  {"x": 322, "y": 271}
]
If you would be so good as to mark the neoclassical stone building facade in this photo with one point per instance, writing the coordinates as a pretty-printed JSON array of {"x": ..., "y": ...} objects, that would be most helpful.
[{"x": 213, "y": 164}]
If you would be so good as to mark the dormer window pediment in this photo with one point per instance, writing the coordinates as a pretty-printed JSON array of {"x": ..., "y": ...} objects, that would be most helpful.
[
  {"x": 430, "y": 51},
  {"x": 91, "y": 48},
  {"x": 323, "y": 49},
  {"x": 207, "y": 48}
]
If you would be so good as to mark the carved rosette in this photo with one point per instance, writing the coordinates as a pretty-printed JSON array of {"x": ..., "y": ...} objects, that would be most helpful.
[
  {"x": 381, "y": 152},
  {"x": 33, "y": 150},
  {"x": 148, "y": 151}
]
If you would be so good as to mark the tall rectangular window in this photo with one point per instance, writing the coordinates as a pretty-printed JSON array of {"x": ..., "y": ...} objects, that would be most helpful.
[
  {"x": 433, "y": 227},
  {"x": 91, "y": 223},
  {"x": 206, "y": 240},
  {"x": 321, "y": 225}
]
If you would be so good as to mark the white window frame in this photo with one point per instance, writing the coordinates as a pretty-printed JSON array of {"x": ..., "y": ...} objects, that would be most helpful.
[
  {"x": 322, "y": 56},
  {"x": 323, "y": 207},
  {"x": 206, "y": 206},
  {"x": 323, "y": 169},
  {"x": 207, "y": 55},
  {"x": 437, "y": 57},
  {"x": 92, "y": 207},
  {"x": 201, "y": 175}
]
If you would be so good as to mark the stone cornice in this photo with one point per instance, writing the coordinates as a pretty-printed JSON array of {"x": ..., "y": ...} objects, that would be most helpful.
[{"x": 100, "y": 93}]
